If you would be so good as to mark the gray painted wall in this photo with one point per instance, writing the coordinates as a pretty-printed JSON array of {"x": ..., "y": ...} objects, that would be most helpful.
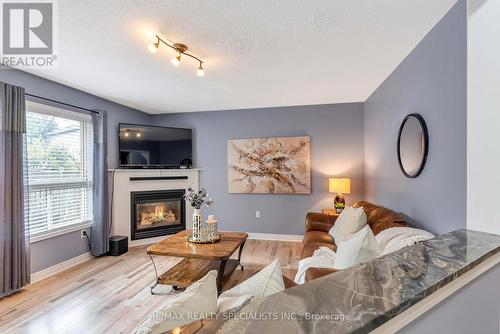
[
  {"x": 430, "y": 81},
  {"x": 336, "y": 149},
  {"x": 49, "y": 252},
  {"x": 473, "y": 309}
]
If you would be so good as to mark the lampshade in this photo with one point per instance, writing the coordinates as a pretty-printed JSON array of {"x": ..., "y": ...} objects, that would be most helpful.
[{"x": 339, "y": 185}]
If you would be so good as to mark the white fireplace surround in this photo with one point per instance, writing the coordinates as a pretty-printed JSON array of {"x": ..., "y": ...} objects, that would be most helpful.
[{"x": 123, "y": 186}]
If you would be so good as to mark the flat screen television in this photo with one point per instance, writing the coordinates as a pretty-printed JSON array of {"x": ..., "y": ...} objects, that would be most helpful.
[{"x": 144, "y": 146}]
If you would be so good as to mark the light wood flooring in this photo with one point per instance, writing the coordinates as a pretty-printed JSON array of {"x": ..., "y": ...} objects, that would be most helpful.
[{"x": 112, "y": 295}]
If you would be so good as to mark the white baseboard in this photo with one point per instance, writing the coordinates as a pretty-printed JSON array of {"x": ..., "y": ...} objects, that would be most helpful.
[
  {"x": 275, "y": 237},
  {"x": 57, "y": 268}
]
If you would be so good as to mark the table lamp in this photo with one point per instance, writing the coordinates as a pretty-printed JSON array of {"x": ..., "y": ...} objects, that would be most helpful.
[{"x": 339, "y": 186}]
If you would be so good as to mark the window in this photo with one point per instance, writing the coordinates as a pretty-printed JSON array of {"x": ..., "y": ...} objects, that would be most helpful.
[{"x": 59, "y": 166}]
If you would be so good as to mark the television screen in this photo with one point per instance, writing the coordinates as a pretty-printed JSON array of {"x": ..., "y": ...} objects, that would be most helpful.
[{"x": 154, "y": 146}]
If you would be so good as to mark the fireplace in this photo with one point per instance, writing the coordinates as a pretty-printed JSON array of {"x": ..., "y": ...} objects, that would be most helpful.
[{"x": 157, "y": 213}]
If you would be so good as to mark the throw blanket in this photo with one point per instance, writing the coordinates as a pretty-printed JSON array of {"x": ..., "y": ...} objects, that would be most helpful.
[
  {"x": 396, "y": 238},
  {"x": 389, "y": 240},
  {"x": 323, "y": 257}
]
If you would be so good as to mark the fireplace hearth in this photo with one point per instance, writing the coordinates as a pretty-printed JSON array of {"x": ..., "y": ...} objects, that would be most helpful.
[{"x": 157, "y": 213}]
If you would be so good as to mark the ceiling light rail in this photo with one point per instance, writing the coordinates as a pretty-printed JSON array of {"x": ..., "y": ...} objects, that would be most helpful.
[{"x": 181, "y": 51}]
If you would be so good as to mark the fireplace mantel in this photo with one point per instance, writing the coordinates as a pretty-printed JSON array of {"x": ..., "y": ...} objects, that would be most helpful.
[{"x": 125, "y": 181}]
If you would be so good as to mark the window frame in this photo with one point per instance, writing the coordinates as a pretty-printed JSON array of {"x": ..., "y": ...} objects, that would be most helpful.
[{"x": 42, "y": 108}]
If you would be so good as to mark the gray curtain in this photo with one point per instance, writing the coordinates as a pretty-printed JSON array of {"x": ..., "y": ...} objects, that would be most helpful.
[
  {"x": 14, "y": 238},
  {"x": 99, "y": 243}
]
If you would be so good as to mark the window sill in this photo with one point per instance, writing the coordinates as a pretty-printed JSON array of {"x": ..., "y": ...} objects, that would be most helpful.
[{"x": 60, "y": 231}]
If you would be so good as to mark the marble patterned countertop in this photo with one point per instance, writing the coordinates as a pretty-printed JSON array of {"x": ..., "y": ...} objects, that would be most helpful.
[{"x": 363, "y": 297}]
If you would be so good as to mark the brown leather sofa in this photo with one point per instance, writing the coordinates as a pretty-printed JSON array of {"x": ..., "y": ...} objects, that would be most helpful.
[{"x": 318, "y": 224}]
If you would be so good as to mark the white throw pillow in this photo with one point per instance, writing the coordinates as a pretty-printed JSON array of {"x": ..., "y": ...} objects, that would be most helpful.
[
  {"x": 199, "y": 299},
  {"x": 264, "y": 283},
  {"x": 361, "y": 247},
  {"x": 350, "y": 221}
]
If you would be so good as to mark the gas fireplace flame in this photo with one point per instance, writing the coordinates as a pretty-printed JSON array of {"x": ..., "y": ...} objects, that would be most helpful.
[{"x": 160, "y": 214}]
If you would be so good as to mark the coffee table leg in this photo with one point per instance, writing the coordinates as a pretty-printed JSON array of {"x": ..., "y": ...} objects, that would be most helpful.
[
  {"x": 220, "y": 275},
  {"x": 239, "y": 255},
  {"x": 156, "y": 274}
]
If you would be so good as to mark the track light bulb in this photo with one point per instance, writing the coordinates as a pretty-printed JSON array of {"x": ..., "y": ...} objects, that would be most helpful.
[
  {"x": 138, "y": 135},
  {"x": 153, "y": 47},
  {"x": 201, "y": 71},
  {"x": 176, "y": 61},
  {"x": 126, "y": 134}
]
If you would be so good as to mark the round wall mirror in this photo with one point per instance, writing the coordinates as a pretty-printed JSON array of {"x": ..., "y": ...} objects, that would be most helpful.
[{"x": 413, "y": 145}]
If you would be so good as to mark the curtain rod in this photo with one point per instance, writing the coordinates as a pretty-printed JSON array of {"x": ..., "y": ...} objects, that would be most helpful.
[{"x": 62, "y": 103}]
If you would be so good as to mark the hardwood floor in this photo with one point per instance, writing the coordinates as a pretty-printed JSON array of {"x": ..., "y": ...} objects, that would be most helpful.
[{"x": 111, "y": 294}]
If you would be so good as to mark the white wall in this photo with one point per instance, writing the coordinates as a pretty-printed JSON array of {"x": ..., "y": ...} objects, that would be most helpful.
[{"x": 483, "y": 113}]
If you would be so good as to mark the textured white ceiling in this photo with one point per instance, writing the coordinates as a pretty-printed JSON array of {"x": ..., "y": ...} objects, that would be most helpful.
[{"x": 257, "y": 53}]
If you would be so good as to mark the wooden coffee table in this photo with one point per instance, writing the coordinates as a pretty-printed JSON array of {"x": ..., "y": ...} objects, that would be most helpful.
[{"x": 199, "y": 259}]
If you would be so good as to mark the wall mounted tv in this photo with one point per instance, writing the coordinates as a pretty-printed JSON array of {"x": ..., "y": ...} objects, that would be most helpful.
[{"x": 143, "y": 146}]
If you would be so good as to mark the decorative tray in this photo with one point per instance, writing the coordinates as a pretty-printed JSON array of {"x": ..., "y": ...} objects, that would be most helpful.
[{"x": 211, "y": 241}]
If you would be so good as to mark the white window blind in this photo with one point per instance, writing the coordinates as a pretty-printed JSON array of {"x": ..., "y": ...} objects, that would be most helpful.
[{"x": 59, "y": 165}]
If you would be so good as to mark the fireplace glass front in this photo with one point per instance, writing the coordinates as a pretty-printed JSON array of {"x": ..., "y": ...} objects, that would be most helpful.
[{"x": 157, "y": 213}]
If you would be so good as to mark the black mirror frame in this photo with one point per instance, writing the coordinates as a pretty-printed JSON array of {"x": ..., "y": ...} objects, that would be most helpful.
[{"x": 426, "y": 144}]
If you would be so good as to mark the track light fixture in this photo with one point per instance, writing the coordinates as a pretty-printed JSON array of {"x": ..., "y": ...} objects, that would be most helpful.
[{"x": 181, "y": 50}]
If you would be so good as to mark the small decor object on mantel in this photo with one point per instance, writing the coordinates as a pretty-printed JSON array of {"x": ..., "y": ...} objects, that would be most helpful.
[
  {"x": 200, "y": 230},
  {"x": 340, "y": 186}
]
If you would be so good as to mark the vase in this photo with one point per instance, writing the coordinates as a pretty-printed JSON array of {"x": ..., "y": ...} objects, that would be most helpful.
[
  {"x": 339, "y": 203},
  {"x": 197, "y": 228}
]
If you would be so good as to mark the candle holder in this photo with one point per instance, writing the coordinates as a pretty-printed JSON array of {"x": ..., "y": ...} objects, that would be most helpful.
[
  {"x": 211, "y": 228},
  {"x": 205, "y": 232}
]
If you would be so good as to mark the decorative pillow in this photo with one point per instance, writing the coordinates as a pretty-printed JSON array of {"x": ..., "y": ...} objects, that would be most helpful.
[
  {"x": 264, "y": 283},
  {"x": 198, "y": 300},
  {"x": 361, "y": 247},
  {"x": 396, "y": 238},
  {"x": 350, "y": 221}
]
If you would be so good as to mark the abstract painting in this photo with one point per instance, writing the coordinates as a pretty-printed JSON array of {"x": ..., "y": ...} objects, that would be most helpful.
[{"x": 280, "y": 165}]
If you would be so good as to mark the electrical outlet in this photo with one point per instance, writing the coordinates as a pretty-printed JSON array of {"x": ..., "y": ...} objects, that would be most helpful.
[
  {"x": 257, "y": 214},
  {"x": 83, "y": 234}
]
